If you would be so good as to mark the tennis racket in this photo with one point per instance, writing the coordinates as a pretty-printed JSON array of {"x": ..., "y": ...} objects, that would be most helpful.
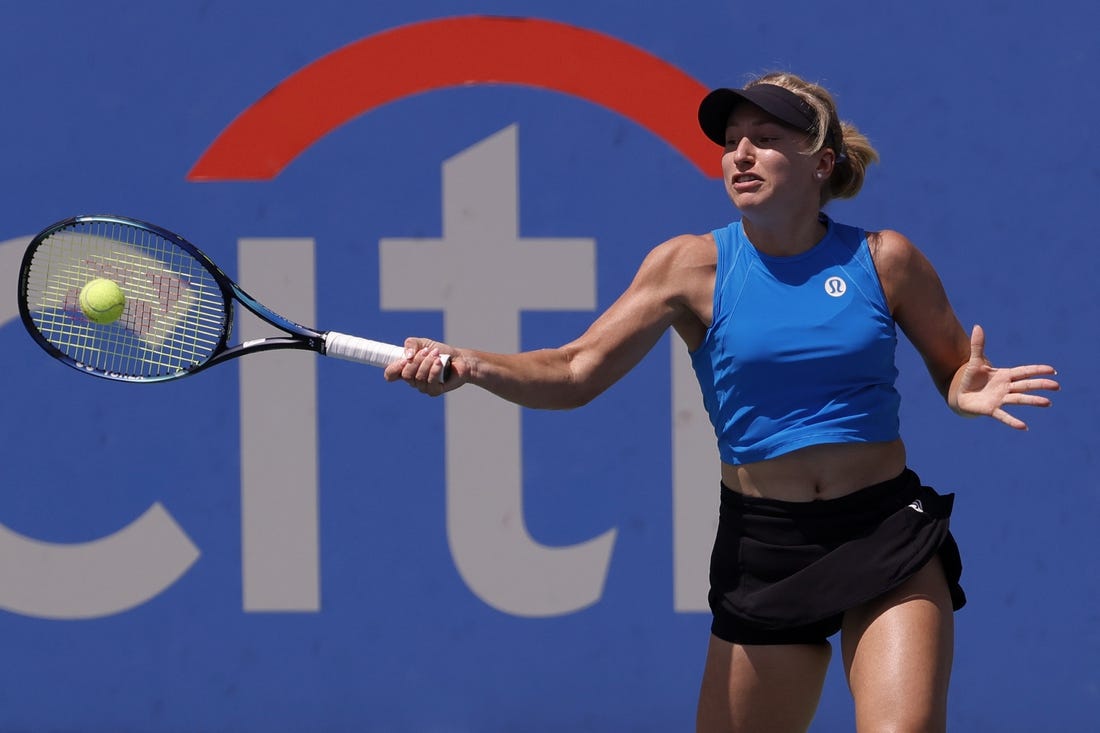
[{"x": 176, "y": 305}]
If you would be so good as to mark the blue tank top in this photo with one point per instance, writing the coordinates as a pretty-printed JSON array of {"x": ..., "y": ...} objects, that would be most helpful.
[{"x": 801, "y": 349}]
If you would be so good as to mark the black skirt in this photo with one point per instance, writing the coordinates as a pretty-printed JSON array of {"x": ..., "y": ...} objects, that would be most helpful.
[{"x": 780, "y": 564}]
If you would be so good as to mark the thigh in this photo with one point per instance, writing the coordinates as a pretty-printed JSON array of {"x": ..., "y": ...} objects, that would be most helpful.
[
  {"x": 772, "y": 688},
  {"x": 897, "y": 654}
]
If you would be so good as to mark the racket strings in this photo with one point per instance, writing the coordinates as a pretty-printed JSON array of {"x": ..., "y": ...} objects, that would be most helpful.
[{"x": 174, "y": 315}]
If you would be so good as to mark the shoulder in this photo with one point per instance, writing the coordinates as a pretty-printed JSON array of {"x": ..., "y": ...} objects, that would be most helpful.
[
  {"x": 689, "y": 246},
  {"x": 902, "y": 267},
  {"x": 892, "y": 251},
  {"x": 679, "y": 273},
  {"x": 888, "y": 241},
  {"x": 683, "y": 252}
]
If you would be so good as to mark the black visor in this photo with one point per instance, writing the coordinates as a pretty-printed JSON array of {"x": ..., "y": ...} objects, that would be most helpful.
[{"x": 780, "y": 103}]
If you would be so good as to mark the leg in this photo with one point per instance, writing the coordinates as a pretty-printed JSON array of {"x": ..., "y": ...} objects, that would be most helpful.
[
  {"x": 752, "y": 688},
  {"x": 897, "y": 654}
]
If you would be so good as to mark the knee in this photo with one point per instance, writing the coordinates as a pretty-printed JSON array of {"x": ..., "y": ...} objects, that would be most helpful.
[
  {"x": 905, "y": 720},
  {"x": 758, "y": 688}
]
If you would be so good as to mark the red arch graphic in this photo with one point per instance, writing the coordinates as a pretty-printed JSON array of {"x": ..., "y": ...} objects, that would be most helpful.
[{"x": 452, "y": 52}]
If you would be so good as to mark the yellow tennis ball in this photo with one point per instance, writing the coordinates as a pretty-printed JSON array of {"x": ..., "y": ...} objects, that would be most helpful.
[{"x": 102, "y": 301}]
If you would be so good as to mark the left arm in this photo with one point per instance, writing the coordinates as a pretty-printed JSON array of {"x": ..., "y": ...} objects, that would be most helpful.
[{"x": 969, "y": 383}]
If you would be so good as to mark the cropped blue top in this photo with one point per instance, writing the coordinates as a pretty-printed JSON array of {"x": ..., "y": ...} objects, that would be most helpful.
[{"x": 801, "y": 349}]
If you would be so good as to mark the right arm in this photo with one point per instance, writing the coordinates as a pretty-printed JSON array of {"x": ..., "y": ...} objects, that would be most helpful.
[{"x": 673, "y": 287}]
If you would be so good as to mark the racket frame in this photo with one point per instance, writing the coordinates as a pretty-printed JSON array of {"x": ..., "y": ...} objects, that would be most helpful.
[{"x": 299, "y": 336}]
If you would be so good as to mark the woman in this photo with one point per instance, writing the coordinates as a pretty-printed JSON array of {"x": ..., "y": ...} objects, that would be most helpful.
[{"x": 790, "y": 320}]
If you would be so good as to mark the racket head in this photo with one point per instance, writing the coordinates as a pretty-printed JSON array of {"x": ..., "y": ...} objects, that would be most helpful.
[{"x": 177, "y": 314}]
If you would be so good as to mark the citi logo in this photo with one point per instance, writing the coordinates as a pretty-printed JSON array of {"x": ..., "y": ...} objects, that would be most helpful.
[{"x": 500, "y": 561}]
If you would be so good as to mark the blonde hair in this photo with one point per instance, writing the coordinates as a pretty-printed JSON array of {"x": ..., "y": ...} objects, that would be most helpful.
[{"x": 853, "y": 150}]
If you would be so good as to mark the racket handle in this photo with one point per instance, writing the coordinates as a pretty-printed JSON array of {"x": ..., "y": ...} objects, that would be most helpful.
[{"x": 374, "y": 353}]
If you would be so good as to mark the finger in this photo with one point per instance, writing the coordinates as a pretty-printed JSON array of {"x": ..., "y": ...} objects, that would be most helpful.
[
  {"x": 1031, "y": 400},
  {"x": 1030, "y": 385},
  {"x": 428, "y": 359},
  {"x": 977, "y": 343},
  {"x": 412, "y": 365},
  {"x": 1009, "y": 420},
  {"x": 438, "y": 371},
  {"x": 1031, "y": 370},
  {"x": 392, "y": 372}
]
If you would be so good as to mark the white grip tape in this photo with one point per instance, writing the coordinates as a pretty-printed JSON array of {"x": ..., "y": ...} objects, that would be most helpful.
[{"x": 365, "y": 351}]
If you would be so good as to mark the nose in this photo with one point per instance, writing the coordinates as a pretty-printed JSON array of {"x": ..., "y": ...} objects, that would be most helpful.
[{"x": 742, "y": 151}]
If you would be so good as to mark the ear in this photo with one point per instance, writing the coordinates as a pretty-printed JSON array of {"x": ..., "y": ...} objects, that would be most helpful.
[{"x": 826, "y": 161}]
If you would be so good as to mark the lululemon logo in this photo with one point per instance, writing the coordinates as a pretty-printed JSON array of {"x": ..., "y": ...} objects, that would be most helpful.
[{"x": 836, "y": 287}]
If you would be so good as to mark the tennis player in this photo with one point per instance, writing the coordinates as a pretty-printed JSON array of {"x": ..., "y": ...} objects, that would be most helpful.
[{"x": 791, "y": 321}]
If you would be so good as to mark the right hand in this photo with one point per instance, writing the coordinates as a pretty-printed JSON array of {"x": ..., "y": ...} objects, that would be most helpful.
[{"x": 422, "y": 367}]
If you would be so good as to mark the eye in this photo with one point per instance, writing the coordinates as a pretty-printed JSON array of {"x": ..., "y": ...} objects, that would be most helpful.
[{"x": 758, "y": 141}]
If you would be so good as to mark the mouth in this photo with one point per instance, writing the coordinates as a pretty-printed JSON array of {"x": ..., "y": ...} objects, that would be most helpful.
[{"x": 745, "y": 181}]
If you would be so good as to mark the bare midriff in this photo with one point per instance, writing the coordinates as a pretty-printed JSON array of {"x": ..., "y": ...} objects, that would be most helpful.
[{"x": 817, "y": 472}]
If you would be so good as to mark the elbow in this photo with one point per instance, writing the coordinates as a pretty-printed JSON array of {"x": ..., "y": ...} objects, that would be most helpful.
[
  {"x": 580, "y": 391},
  {"x": 577, "y": 381},
  {"x": 579, "y": 386},
  {"x": 578, "y": 394},
  {"x": 579, "y": 399}
]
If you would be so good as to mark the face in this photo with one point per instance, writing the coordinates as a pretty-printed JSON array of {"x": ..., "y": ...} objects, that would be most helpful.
[{"x": 766, "y": 163}]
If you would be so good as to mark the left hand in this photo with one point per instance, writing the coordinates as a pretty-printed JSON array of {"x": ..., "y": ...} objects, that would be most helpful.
[{"x": 982, "y": 389}]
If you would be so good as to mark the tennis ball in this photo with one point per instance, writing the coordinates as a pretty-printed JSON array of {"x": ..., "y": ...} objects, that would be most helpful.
[{"x": 102, "y": 301}]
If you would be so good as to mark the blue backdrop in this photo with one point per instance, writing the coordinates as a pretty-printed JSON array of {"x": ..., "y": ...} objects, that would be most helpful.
[{"x": 291, "y": 544}]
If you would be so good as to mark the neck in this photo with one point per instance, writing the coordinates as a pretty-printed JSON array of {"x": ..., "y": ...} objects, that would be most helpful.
[{"x": 790, "y": 235}]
